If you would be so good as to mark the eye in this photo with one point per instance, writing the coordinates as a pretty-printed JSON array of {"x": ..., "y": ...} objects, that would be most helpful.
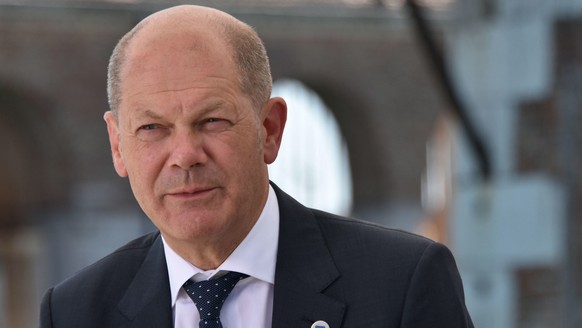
[
  {"x": 151, "y": 132},
  {"x": 215, "y": 124},
  {"x": 149, "y": 127}
]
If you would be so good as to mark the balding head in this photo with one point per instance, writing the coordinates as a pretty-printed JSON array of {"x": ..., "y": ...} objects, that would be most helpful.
[{"x": 194, "y": 27}]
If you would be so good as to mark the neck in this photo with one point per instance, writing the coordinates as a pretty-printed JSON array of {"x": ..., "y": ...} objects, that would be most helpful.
[{"x": 208, "y": 253}]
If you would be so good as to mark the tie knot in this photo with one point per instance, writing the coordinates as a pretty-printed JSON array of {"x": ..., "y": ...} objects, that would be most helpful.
[{"x": 209, "y": 295}]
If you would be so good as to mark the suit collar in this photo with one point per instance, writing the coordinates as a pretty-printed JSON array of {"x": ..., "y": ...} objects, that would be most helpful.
[
  {"x": 304, "y": 270},
  {"x": 147, "y": 300}
]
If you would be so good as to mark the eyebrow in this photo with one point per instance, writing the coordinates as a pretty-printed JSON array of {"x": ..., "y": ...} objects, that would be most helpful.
[
  {"x": 149, "y": 113},
  {"x": 215, "y": 105},
  {"x": 209, "y": 108}
]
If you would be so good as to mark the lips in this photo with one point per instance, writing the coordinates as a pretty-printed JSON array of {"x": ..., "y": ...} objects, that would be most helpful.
[{"x": 191, "y": 192}]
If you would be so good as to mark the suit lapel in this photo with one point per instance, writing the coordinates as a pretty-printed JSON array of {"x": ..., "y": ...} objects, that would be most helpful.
[
  {"x": 304, "y": 270},
  {"x": 147, "y": 302}
]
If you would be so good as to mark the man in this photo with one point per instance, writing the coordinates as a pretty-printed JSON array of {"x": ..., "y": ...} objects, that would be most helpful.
[{"x": 193, "y": 127}]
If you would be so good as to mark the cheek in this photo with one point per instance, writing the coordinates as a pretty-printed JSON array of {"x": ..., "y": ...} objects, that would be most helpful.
[
  {"x": 251, "y": 166},
  {"x": 143, "y": 163},
  {"x": 238, "y": 150},
  {"x": 232, "y": 159}
]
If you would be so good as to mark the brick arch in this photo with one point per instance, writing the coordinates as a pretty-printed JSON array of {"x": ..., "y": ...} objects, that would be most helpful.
[
  {"x": 382, "y": 96},
  {"x": 368, "y": 172},
  {"x": 367, "y": 168},
  {"x": 305, "y": 166}
]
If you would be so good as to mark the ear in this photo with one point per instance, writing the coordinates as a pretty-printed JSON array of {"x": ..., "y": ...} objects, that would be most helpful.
[
  {"x": 274, "y": 118},
  {"x": 113, "y": 130}
]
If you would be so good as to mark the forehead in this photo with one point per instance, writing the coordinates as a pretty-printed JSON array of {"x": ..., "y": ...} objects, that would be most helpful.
[
  {"x": 190, "y": 47},
  {"x": 176, "y": 59}
]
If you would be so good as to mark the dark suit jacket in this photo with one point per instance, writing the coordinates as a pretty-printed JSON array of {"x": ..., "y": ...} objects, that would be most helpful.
[{"x": 346, "y": 272}]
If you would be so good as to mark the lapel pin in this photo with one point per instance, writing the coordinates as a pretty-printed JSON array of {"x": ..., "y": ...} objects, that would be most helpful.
[{"x": 320, "y": 324}]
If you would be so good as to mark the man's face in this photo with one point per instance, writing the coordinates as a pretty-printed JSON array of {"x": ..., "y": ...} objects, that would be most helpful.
[{"x": 191, "y": 143}]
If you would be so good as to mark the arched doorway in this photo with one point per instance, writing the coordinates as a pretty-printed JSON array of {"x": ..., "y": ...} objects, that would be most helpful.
[{"x": 313, "y": 164}]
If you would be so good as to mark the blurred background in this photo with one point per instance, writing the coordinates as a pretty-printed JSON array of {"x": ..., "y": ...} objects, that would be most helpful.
[{"x": 455, "y": 119}]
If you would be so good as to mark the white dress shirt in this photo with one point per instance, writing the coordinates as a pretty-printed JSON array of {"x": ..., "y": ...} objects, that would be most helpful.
[{"x": 250, "y": 304}]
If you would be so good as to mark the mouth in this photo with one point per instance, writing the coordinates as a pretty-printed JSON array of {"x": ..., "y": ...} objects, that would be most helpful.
[{"x": 187, "y": 194}]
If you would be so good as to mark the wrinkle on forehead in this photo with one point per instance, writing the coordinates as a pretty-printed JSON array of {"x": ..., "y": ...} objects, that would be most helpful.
[
  {"x": 180, "y": 46},
  {"x": 187, "y": 36},
  {"x": 140, "y": 88}
]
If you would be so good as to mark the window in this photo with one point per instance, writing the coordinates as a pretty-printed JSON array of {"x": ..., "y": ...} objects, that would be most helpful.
[{"x": 313, "y": 164}]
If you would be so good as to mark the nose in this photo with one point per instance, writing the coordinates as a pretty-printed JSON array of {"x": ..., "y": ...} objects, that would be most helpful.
[{"x": 187, "y": 151}]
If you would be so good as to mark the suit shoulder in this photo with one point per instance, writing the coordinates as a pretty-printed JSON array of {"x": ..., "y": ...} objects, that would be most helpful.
[
  {"x": 335, "y": 226},
  {"x": 89, "y": 297},
  {"x": 143, "y": 242},
  {"x": 133, "y": 251},
  {"x": 126, "y": 259},
  {"x": 361, "y": 248}
]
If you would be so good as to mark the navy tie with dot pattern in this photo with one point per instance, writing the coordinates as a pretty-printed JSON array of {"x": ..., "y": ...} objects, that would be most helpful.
[{"x": 209, "y": 295}]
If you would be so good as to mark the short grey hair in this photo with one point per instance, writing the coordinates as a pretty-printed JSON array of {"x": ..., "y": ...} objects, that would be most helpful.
[
  {"x": 116, "y": 62},
  {"x": 248, "y": 51}
]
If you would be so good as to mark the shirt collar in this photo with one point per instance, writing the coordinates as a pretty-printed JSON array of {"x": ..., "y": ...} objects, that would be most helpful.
[{"x": 256, "y": 255}]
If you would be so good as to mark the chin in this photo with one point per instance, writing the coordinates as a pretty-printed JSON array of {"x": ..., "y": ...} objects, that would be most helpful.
[{"x": 195, "y": 228}]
